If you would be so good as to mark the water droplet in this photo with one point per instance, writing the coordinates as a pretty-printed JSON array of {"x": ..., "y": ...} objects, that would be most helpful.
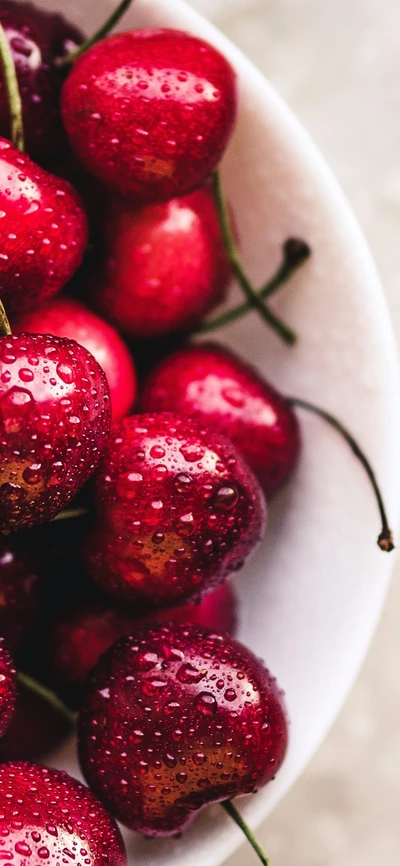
[
  {"x": 188, "y": 673},
  {"x": 230, "y": 695},
  {"x": 234, "y": 396},
  {"x": 23, "y": 849},
  {"x": 157, "y": 452},
  {"x": 44, "y": 853},
  {"x": 66, "y": 373},
  {"x": 33, "y": 473},
  {"x": 206, "y": 704},
  {"x": 226, "y": 497},
  {"x": 181, "y": 777},
  {"x": 182, "y": 482},
  {"x": 192, "y": 451}
]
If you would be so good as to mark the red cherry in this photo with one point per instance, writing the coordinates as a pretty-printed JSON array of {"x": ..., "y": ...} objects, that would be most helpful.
[
  {"x": 177, "y": 717},
  {"x": 54, "y": 421},
  {"x": 82, "y": 635},
  {"x": 35, "y": 729},
  {"x": 37, "y": 39},
  {"x": 7, "y": 689},
  {"x": 220, "y": 389},
  {"x": 178, "y": 510},
  {"x": 47, "y": 816},
  {"x": 19, "y": 591},
  {"x": 164, "y": 267},
  {"x": 65, "y": 317},
  {"x": 43, "y": 231},
  {"x": 149, "y": 112}
]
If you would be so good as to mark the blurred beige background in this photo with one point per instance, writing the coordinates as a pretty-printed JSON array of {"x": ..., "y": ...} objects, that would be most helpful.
[{"x": 337, "y": 62}]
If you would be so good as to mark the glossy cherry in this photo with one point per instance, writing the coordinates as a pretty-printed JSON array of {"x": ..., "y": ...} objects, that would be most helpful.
[
  {"x": 43, "y": 231},
  {"x": 65, "y": 317},
  {"x": 7, "y": 688},
  {"x": 149, "y": 112},
  {"x": 54, "y": 422},
  {"x": 220, "y": 389},
  {"x": 47, "y": 816},
  {"x": 177, "y": 510},
  {"x": 164, "y": 265},
  {"x": 37, "y": 40},
  {"x": 84, "y": 633},
  {"x": 177, "y": 717},
  {"x": 19, "y": 591}
]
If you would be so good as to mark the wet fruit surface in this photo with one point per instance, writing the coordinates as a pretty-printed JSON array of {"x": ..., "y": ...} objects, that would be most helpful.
[
  {"x": 177, "y": 717},
  {"x": 221, "y": 390},
  {"x": 37, "y": 39},
  {"x": 19, "y": 591},
  {"x": 48, "y": 817},
  {"x": 65, "y": 317},
  {"x": 54, "y": 422},
  {"x": 164, "y": 265},
  {"x": 7, "y": 689},
  {"x": 149, "y": 112},
  {"x": 43, "y": 231},
  {"x": 177, "y": 510}
]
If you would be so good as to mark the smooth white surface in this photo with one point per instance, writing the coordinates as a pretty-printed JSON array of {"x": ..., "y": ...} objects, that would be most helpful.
[{"x": 310, "y": 597}]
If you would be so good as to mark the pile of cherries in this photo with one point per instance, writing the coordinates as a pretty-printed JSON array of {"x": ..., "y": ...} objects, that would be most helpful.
[{"x": 129, "y": 492}]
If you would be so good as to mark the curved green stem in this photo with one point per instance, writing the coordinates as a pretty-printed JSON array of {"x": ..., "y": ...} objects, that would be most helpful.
[
  {"x": 47, "y": 695},
  {"x": 5, "y": 329},
  {"x": 385, "y": 537},
  {"x": 231, "y": 809},
  {"x": 99, "y": 34},
  {"x": 70, "y": 514},
  {"x": 253, "y": 297},
  {"x": 12, "y": 89},
  {"x": 295, "y": 252}
]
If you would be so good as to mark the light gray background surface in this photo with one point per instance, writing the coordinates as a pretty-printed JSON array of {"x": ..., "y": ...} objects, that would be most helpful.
[{"x": 337, "y": 63}]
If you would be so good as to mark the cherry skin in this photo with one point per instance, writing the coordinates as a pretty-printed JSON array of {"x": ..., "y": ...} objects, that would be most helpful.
[
  {"x": 150, "y": 112},
  {"x": 48, "y": 816},
  {"x": 177, "y": 717},
  {"x": 164, "y": 265},
  {"x": 37, "y": 39},
  {"x": 220, "y": 389},
  {"x": 7, "y": 688},
  {"x": 83, "y": 634},
  {"x": 177, "y": 511},
  {"x": 19, "y": 591},
  {"x": 43, "y": 231},
  {"x": 54, "y": 423},
  {"x": 36, "y": 728},
  {"x": 65, "y": 317}
]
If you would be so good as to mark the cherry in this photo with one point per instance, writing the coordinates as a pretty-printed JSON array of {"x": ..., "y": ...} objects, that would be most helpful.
[
  {"x": 177, "y": 510},
  {"x": 35, "y": 729},
  {"x": 46, "y": 815},
  {"x": 7, "y": 688},
  {"x": 65, "y": 317},
  {"x": 149, "y": 112},
  {"x": 85, "y": 632},
  {"x": 54, "y": 421},
  {"x": 43, "y": 231},
  {"x": 19, "y": 591},
  {"x": 164, "y": 266},
  {"x": 177, "y": 717},
  {"x": 37, "y": 40},
  {"x": 223, "y": 391}
]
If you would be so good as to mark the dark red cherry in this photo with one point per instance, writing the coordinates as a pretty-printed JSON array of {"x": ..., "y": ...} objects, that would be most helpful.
[
  {"x": 164, "y": 265},
  {"x": 43, "y": 231},
  {"x": 177, "y": 717},
  {"x": 65, "y": 317},
  {"x": 149, "y": 112},
  {"x": 19, "y": 591},
  {"x": 7, "y": 689},
  {"x": 47, "y": 816},
  {"x": 37, "y": 39},
  {"x": 177, "y": 510},
  {"x": 35, "y": 729},
  {"x": 84, "y": 633},
  {"x": 54, "y": 423},
  {"x": 221, "y": 390}
]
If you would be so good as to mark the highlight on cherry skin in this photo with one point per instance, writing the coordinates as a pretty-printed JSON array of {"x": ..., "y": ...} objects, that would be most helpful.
[
  {"x": 66, "y": 317},
  {"x": 177, "y": 717},
  {"x": 177, "y": 510}
]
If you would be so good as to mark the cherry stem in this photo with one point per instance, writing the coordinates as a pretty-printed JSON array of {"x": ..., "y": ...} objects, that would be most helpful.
[
  {"x": 241, "y": 823},
  {"x": 99, "y": 34},
  {"x": 253, "y": 297},
  {"x": 295, "y": 252},
  {"x": 385, "y": 538},
  {"x": 48, "y": 695},
  {"x": 70, "y": 514},
  {"x": 5, "y": 329},
  {"x": 12, "y": 90}
]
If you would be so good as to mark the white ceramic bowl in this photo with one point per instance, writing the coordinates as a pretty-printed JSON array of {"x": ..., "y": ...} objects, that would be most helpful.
[{"x": 311, "y": 595}]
